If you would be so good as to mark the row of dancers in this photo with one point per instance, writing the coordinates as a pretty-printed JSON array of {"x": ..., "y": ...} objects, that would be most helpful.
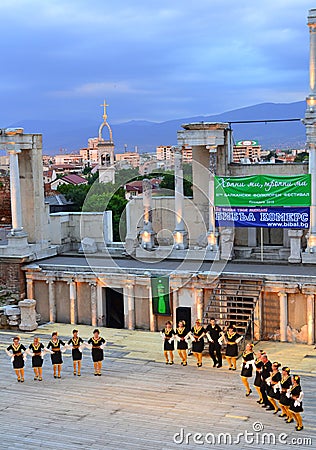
[
  {"x": 56, "y": 347},
  {"x": 278, "y": 390},
  {"x": 194, "y": 339}
]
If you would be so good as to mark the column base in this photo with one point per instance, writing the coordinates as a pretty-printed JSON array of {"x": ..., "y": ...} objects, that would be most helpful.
[
  {"x": 227, "y": 244},
  {"x": 180, "y": 240},
  {"x": 212, "y": 241},
  {"x": 147, "y": 242},
  {"x": 28, "y": 315},
  {"x": 18, "y": 244},
  {"x": 309, "y": 257},
  {"x": 295, "y": 246}
]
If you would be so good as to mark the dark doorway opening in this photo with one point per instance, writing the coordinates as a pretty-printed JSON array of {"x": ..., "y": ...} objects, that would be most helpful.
[
  {"x": 114, "y": 307},
  {"x": 183, "y": 313}
]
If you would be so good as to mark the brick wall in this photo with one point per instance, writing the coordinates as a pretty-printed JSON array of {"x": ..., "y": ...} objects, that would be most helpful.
[
  {"x": 271, "y": 316},
  {"x": 12, "y": 277},
  {"x": 5, "y": 204}
]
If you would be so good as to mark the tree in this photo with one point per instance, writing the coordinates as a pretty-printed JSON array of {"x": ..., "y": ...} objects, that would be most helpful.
[
  {"x": 109, "y": 201},
  {"x": 168, "y": 183},
  {"x": 302, "y": 157},
  {"x": 75, "y": 193}
]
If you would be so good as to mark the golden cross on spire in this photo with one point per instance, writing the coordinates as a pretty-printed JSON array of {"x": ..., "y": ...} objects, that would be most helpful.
[{"x": 104, "y": 110}]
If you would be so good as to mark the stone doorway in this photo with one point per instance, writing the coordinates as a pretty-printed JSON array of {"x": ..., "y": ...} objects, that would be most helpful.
[{"x": 114, "y": 307}]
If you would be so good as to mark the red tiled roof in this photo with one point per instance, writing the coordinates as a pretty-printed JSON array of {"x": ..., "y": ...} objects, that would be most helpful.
[
  {"x": 137, "y": 185},
  {"x": 74, "y": 179}
]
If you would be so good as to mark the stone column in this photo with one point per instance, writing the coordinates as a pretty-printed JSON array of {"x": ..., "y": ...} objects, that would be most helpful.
[
  {"x": 93, "y": 296},
  {"x": 28, "y": 315},
  {"x": 29, "y": 288},
  {"x": 100, "y": 313},
  {"x": 73, "y": 301},
  {"x": 283, "y": 316},
  {"x": 310, "y": 319},
  {"x": 295, "y": 245},
  {"x": 147, "y": 233},
  {"x": 15, "y": 189},
  {"x": 179, "y": 234},
  {"x": 199, "y": 302},
  {"x": 257, "y": 319},
  {"x": 212, "y": 235},
  {"x": 175, "y": 301},
  {"x": 310, "y": 124},
  {"x": 152, "y": 319},
  {"x": 129, "y": 292},
  {"x": 51, "y": 300}
]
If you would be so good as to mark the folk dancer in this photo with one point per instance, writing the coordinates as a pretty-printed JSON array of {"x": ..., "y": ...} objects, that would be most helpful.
[
  {"x": 54, "y": 347},
  {"x": 168, "y": 335},
  {"x": 286, "y": 383},
  {"x": 182, "y": 344},
  {"x": 247, "y": 367},
  {"x": 274, "y": 387},
  {"x": 265, "y": 374},
  {"x": 258, "y": 380},
  {"x": 97, "y": 344},
  {"x": 36, "y": 351},
  {"x": 76, "y": 351},
  {"x": 16, "y": 351},
  {"x": 214, "y": 333},
  {"x": 198, "y": 332},
  {"x": 232, "y": 339},
  {"x": 296, "y": 406}
]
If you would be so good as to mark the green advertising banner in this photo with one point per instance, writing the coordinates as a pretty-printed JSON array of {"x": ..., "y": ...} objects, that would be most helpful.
[
  {"x": 263, "y": 190},
  {"x": 160, "y": 295}
]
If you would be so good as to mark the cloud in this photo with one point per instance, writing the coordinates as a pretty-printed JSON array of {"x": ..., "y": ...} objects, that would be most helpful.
[
  {"x": 97, "y": 89},
  {"x": 150, "y": 59}
]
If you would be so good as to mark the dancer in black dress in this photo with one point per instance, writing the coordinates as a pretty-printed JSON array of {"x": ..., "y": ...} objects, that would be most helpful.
[
  {"x": 284, "y": 402},
  {"x": 182, "y": 345},
  {"x": 258, "y": 380},
  {"x": 54, "y": 347},
  {"x": 296, "y": 406},
  {"x": 274, "y": 387},
  {"x": 247, "y": 367},
  {"x": 76, "y": 351},
  {"x": 168, "y": 334},
  {"x": 97, "y": 343},
  {"x": 36, "y": 351},
  {"x": 198, "y": 332},
  {"x": 232, "y": 338},
  {"x": 16, "y": 353}
]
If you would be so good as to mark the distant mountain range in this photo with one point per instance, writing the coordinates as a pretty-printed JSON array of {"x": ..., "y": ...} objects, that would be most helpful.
[{"x": 71, "y": 136}]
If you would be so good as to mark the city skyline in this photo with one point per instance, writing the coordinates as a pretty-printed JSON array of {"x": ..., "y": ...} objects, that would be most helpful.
[{"x": 151, "y": 62}]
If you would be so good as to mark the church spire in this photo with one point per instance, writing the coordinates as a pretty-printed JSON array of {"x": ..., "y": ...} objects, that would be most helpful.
[
  {"x": 104, "y": 111},
  {"x": 105, "y": 123}
]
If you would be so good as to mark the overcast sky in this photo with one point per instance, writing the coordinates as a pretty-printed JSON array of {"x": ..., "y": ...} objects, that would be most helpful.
[{"x": 152, "y": 60}]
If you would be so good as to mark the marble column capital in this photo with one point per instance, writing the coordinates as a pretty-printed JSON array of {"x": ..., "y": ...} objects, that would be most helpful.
[
  {"x": 282, "y": 293},
  {"x": 129, "y": 286},
  {"x": 14, "y": 150}
]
